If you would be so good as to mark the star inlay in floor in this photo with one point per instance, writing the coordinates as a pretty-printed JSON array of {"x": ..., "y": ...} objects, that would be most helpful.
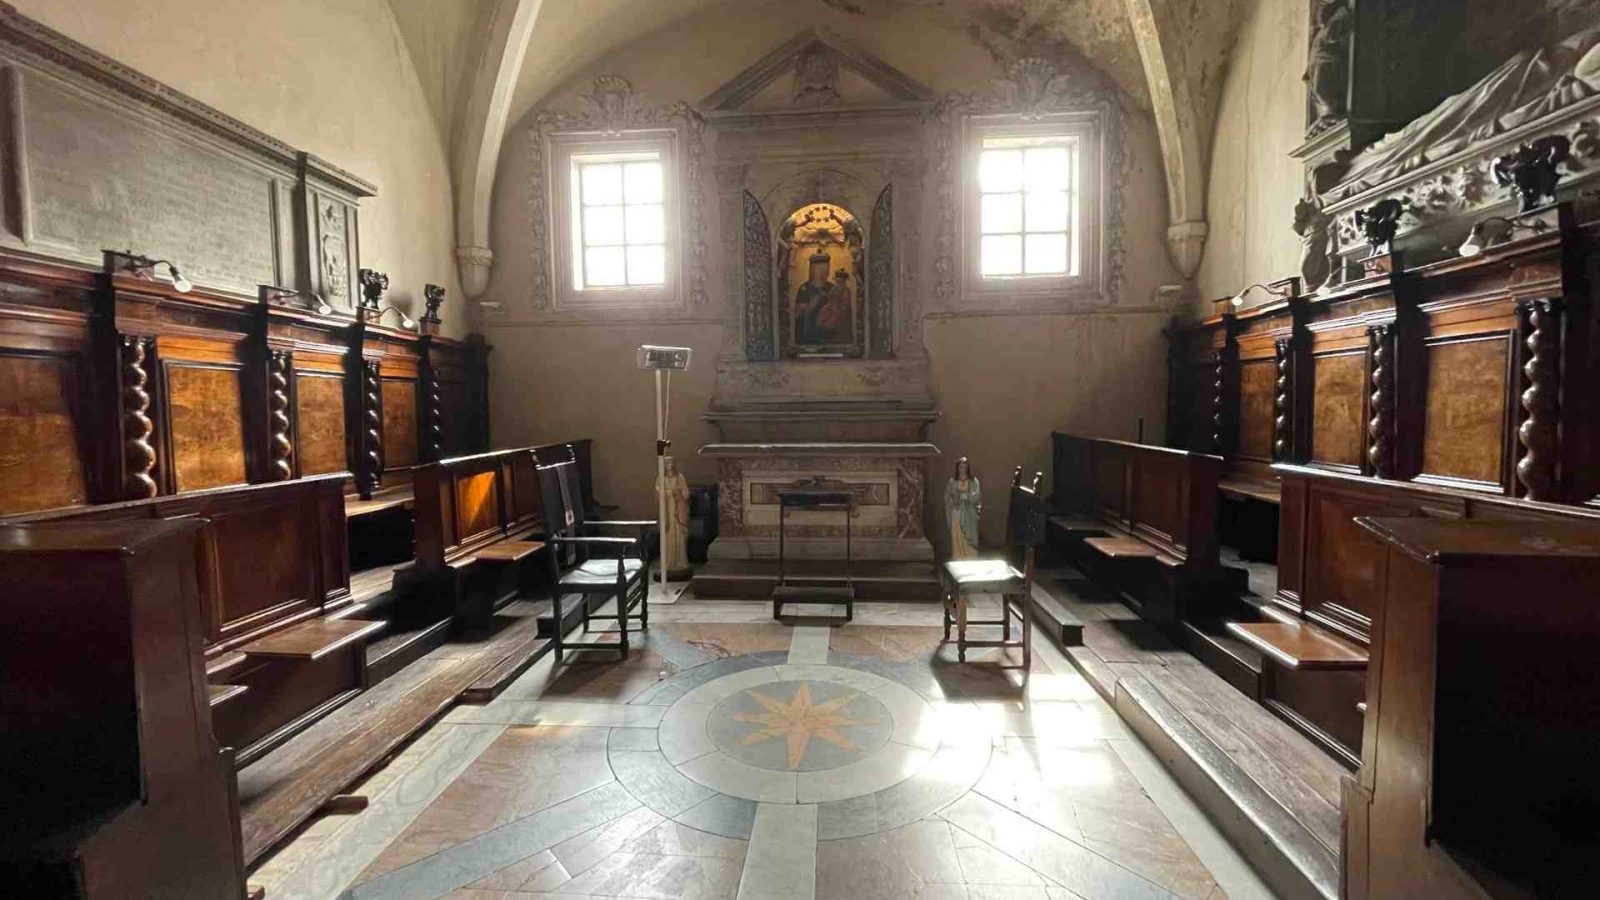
[{"x": 800, "y": 725}]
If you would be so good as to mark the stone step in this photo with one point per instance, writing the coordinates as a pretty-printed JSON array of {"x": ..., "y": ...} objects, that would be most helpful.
[{"x": 749, "y": 579}]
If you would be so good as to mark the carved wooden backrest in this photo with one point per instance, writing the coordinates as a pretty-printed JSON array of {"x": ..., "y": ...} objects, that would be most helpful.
[
  {"x": 561, "y": 507},
  {"x": 1025, "y": 513}
]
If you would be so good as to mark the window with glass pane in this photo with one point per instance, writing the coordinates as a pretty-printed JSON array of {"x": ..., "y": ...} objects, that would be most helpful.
[
  {"x": 1028, "y": 207},
  {"x": 622, "y": 222}
]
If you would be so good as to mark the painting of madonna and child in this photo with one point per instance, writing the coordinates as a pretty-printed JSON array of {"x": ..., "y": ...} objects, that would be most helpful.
[{"x": 820, "y": 261}]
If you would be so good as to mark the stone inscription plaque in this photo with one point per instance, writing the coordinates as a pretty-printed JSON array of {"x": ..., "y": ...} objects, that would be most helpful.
[{"x": 101, "y": 178}]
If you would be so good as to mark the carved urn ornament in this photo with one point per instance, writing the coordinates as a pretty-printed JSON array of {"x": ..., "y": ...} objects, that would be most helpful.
[
  {"x": 373, "y": 284},
  {"x": 1379, "y": 222},
  {"x": 433, "y": 297},
  {"x": 1532, "y": 170}
]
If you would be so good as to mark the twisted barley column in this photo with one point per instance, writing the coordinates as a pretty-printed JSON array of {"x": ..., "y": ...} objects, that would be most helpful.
[
  {"x": 1282, "y": 403},
  {"x": 372, "y": 427},
  {"x": 434, "y": 417},
  {"x": 1537, "y": 468},
  {"x": 280, "y": 449},
  {"x": 1380, "y": 451},
  {"x": 1217, "y": 402},
  {"x": 138, "y": 456}
]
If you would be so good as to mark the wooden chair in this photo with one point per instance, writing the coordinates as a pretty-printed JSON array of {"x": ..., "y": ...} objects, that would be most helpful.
[
  {"x": 960, "y": 578},
  {"x": 592, "y": 565}
]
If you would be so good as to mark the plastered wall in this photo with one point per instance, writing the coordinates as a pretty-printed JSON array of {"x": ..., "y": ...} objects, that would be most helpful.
[
  {"x": 334, "y": 79},
  {"x": 1001, "y": 382}
]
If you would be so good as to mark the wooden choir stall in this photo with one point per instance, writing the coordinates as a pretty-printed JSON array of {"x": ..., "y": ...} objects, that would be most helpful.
[{"x": 1428, "y": 440}]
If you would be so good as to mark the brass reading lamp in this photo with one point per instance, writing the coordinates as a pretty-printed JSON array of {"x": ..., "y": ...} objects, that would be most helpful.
[
  {"x": 1281, "y": 292},
  {"x": 145, "y": 267},
  {"x": 406, "y": 321},
  {"x": 663, "y": 361},
  {"x": 1497, "y": 230},
  {"x": 271, "y": 293}
]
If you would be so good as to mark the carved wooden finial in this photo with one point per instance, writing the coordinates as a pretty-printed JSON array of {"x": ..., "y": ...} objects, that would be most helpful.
[
  {"x": 1532, "y": 171},
  {"x": 373, "y": 284},
  {"x": 1379, "y": 222},
  {"x": 1016, "y": 477},
  {"x": 1038, "y": 480},
  {"x": 433, "y": 296}
]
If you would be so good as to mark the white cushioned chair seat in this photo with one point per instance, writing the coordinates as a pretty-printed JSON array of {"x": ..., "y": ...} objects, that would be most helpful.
[
  {"x": 601, "y": 572},
  {"x": 983, "y": 575}
]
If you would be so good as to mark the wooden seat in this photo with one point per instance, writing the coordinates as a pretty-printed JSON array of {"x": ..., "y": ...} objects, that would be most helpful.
[
  {"x": 1074, "y": 523},
  {"x": 592, "y": 565},
  {"x": 222, "y": 693},
  {"x": 962, "y": 578},
  {"x": 382, "y": 501},
  {"x": 509, "y": 551},
  {"x": 312, "y": 640},
  {"x": 1123, "y": 548},
  {"x": 1249, "y": 489},
  {"x": 1300, "y": 645}
]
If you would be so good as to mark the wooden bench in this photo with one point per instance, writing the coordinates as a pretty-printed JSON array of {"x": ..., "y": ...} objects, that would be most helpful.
[
  {"x": 476, "y": 521},
  {"x": 1141, "y": 520},
  {"x": 273, "y": 575}
]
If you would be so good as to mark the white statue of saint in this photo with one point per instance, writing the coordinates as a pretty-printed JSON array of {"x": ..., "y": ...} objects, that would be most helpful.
[
  {"x": 962, "y": 504},
  {"x": 675, "y": 530}
]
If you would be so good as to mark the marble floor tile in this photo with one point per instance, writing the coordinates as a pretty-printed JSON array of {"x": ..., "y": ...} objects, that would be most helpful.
[
  {"x": 675, "y": 839},
  {"x": 890, "y": 765},
  {"x": 634, "y": 739},
  {"x": 897, "y": 865},
  {"x": 730, "y": 817},
  {"x": 583, "y": 852},
  {"x": 650, "y": 876},
  {"x": 462, "y": 864},
  {"x": 719, "y": 640},
  {"x": 809, "y": 645},
  {"x": 546, "y": 712},
  {"x": 396, "y": 796},
  {"x": 1062, "y": 861},
  {"x": 729, "y": 776},
  {"x": 541, "y": 871},
  {"x": 656, "y": 783},
  {"x": 523, "y": 771},
  {"x": 781, "y": 861}
]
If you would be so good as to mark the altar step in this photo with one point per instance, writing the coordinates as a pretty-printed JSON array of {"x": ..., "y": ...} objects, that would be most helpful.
[{"x": 754, "y": 579}]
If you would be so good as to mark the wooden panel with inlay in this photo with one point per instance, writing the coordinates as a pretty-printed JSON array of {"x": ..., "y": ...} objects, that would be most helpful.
[
  {"x": 41, "y": 453},
  {"x": 205, "y": 424},
  {"x": 272, "y": 580},
  {"x": 477, "y": 504},
  {"x": 319, "y": 423},
  {"x": 1108, "y": 479},
  {"x": 1159, "y": 494},
  {"x": 1466, "y": 421},
  {"x": 1338, "y": 411},
  {"x": 399, "y": 423},
  {"x": 1257, "y": 386}
]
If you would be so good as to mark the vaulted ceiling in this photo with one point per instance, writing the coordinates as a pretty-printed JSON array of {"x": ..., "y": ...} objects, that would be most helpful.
[{"x": 485, "y": 63}]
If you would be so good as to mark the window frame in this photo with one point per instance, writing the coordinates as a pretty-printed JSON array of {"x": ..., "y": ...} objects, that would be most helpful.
[
  {"x": 1087, "y": 241},
  {"x": 564, "y": 153}
]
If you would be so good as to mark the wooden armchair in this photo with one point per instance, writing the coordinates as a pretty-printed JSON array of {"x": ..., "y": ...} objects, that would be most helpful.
[
  {"x": 961, "y": 578},
  {"x": 589, "y": 564}
]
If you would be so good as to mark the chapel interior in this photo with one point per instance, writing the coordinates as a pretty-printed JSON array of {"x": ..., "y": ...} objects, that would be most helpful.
[{"x": 799, "y": 449}]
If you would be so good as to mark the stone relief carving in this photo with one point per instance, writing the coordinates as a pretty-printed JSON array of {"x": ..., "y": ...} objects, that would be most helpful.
[
  {"x": 1328, "y": 65},
  {"x": 612, "y": 106},
  {"x": 1311, "y": 223},
  {"x": 1031, "y": 89},
  {"x": 1441, "y": 166},
  {"x": 333, "y": 250},
  {"x": 816, "y": 78},
  {"x": 880, "y": 276}
]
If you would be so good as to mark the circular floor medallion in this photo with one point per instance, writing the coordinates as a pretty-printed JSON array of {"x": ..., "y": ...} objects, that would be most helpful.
[{"x": 799, "y": 726}]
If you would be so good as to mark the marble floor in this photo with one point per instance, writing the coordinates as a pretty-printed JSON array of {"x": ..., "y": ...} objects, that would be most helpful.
[{"x": 734, "y": 757}]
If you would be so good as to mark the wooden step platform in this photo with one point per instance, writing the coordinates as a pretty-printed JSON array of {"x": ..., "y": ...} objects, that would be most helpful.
[
  {"x": 1063, "y": 627},
  {"x": 312, "y": 639},
  {"x": 754, "y": 579},
  {"x": 1274, "y": 793},
  {"x": 1300, "y": 646},
  {"x": 281, "y": 791}
]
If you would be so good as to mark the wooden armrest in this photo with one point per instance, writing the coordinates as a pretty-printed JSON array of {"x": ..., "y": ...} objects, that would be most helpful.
[
  {"x": 312, "y": 639},
  {"x": 621, "y": 523},
  {"x": 1300, "y": 645},
  {"x": 1264, "y": 491},
  {"x": 1076, "y": 522},
  {"x": 594, "y": 539},
  {"x": 1123, "y": 548}
]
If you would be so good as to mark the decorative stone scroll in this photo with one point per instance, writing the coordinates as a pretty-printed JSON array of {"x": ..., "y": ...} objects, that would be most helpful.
[
  {"x": 880, "y": 277},
  {"x": 612, "y": 106},
  {"x": 1033, "y": 88},
  {"x": 138, "y": 456}
]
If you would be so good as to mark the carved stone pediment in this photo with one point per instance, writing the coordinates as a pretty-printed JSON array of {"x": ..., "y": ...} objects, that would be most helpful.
[{"x": 816, "y": 69}]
